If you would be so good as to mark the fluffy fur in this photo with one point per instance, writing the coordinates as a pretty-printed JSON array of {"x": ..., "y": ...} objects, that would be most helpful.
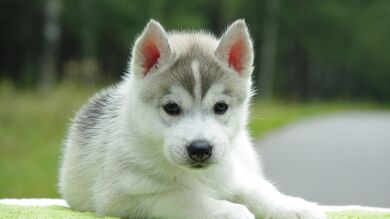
[{"x": 125, "y": 156}]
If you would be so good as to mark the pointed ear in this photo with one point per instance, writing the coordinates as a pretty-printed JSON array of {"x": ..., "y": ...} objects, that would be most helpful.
[
  {"x": 151, "y": 49},
  {"x": 235, "y": 48}
]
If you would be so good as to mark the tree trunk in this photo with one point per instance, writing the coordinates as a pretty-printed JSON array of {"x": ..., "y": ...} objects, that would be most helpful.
[
  {"x": 268, "y": 49},
  {"x": 51, "y": 34}
]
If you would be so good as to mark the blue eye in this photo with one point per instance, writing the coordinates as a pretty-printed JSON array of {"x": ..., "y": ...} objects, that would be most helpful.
[
  {"x": 172, "y": 109},
  {"x": 220, "y": 108}
]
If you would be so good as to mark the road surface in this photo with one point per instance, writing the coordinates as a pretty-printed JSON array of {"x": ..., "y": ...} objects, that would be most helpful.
[{"x": 340, "y": 159}]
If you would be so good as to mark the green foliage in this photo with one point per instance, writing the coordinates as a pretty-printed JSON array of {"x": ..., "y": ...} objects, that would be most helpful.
[
  {"x": 325, "y": 49},
  {"x": 334, "y": 49}
]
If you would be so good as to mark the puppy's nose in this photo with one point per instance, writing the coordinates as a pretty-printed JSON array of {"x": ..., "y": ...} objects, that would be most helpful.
[{"x": 199, "y": 150}]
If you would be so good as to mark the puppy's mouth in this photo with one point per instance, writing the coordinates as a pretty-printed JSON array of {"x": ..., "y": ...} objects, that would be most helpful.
[{"x": 200, "y": 165}]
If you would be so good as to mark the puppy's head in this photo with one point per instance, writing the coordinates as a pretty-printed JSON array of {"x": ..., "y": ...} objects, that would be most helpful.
[{"x": 192, "y": 91}]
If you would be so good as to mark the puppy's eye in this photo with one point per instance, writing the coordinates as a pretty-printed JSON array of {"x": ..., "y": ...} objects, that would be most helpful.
[
  {"x": 220, "y": 108},
  {"x": 172, "y": 108}
]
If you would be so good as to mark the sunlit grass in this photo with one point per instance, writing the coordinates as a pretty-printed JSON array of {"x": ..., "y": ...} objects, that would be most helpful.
[
  {"x": 10, "y": 211},
  {"x": 33, "y": 124},
  {"x": 266, "y": 116}
]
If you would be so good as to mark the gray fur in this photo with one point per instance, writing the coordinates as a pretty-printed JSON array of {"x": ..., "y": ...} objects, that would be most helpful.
[
  {"x": 180, "y": 73},
  {"x": 100, "y": 107},
  {"x": 92, "y": 112}
]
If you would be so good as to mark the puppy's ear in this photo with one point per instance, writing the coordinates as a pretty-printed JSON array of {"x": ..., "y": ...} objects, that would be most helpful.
[
  {"x": 235, "y": 48},
  {"x": 151, "y": 50}
]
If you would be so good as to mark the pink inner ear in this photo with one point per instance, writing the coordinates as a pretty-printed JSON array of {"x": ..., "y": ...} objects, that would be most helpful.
[
  {"x": 236, "y": 55},
  {"x": 151, "y": 55}
]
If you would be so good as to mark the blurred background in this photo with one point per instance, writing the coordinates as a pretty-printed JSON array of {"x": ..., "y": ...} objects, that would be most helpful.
[{"x": 314, "y": 59}]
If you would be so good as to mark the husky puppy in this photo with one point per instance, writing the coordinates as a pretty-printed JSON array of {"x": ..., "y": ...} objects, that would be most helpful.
[{"x": 170, "y": 140}]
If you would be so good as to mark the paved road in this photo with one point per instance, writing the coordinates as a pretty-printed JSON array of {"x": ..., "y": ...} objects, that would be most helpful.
[{"x": 334, "y": 160}]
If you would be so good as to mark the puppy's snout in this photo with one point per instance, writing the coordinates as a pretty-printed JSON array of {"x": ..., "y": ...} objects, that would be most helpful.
[{"x": 199, "y": 150}]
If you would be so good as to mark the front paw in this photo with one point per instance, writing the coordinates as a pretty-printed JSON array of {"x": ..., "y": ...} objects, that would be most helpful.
[
  {"x": 296, "y": 208},
  {"x": 235, "y": 211}
]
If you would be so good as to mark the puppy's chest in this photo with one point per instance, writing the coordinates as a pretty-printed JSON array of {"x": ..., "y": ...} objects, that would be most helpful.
[{"x": 220, "y": 187}]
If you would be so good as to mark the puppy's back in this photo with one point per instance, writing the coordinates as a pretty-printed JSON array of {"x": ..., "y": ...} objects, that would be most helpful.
[{"x": 82, "y": 147}]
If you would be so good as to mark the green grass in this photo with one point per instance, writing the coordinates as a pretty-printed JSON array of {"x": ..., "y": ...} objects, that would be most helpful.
[
  {"x": 57, "y": 212},
  {"x": 33, "y": 124},
  {"x": 21, "y": 212},
  {"x": 266, "y": 116},
  {"x": 358, "y": 215}
]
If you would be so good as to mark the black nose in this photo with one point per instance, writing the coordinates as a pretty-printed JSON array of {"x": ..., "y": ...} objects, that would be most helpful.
[{"x": 199, "y": 150}]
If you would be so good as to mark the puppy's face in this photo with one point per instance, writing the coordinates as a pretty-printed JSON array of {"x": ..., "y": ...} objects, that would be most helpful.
[{"x": 197, "y": 100}]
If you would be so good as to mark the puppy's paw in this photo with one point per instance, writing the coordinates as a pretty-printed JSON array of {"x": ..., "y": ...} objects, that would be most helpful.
[
  {"x": 296, "y": 208},
  {"x": 235, "y": 211}
]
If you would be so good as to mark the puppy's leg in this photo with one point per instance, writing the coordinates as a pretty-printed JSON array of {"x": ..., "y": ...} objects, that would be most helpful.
[
  {"x": 172, "y": 205},
  {"x": 265, "y": 201},
  {"x": 193, "y": 206}
]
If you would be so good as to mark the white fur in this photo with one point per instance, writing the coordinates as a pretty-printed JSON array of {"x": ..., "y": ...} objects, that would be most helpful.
[
  {"x": 196, "y": 74},
  {"x": 133, "y": 162}
]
